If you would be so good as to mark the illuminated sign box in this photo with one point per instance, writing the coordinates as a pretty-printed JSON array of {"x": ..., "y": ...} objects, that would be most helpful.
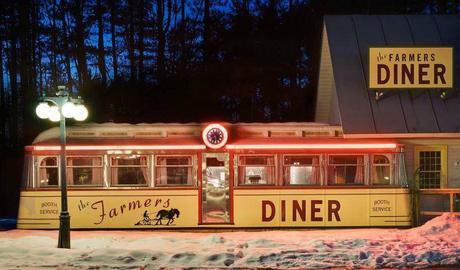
[{"x": 404, "y": 67}]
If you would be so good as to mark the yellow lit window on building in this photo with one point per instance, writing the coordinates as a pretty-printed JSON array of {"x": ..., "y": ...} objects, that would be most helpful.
[
  {"x": 346, "y": 170},
  {"x": 129, "y": 170},
  {"x": 173, "y": 170},
  {"x": 84, "y": 171},
  {"x": 256, "y": 170},
  {"x": 301, "y": 170},
  {"x": 48, "y": 171}
]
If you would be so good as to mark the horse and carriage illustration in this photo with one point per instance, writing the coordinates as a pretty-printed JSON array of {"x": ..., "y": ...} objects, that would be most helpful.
[{"x": 163, "y": 214}]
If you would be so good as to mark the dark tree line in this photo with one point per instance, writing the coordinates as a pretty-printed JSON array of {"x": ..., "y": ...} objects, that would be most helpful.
[{"x": 168, "y": 60}]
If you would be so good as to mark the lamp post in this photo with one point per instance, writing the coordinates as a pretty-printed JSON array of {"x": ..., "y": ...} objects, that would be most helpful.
[{"x": 63, "y": 106}]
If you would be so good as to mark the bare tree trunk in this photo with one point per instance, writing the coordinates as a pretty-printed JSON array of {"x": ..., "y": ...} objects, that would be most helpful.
[
  {"x": 80, "y": 42},
  {"x": 34, "y": 41},
  {"x": 100, "y": 51},
  {"x": 12, "y": 66},
  {"x": 54, "y": 33},
  {"x": 131, "y": 48},
  {"x": 26, "y": 94},
  {"x": 206, "y": 30},
  {"x": 113, "y": 33},
  {"x": 161, "y": 40},
  {"x": 2, "y": 97},
  {"x": 67, "y": 52},
  {"x": 41, "y": 90},
  {"x": 183, "y": 29},
  {"x": 140, "y": 42},
  {"x": 168, "y": 20}
]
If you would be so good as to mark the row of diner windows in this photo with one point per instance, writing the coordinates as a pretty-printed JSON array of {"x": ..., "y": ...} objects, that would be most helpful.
[{"x": 181, "y": 170}]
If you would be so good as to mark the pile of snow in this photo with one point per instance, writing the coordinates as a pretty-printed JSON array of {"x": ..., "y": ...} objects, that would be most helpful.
[{"x": 437, "y": 243}]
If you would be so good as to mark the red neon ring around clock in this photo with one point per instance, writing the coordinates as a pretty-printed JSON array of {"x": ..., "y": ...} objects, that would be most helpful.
[{"x": 223, "y": 141}]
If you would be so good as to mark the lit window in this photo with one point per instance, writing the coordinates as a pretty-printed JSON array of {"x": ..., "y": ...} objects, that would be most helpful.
[
  {"x": 301, "y": 170},
  {"x": 84, "y": 171},
  {"x": 346, "y": 170},
  {"x": 48, "y": 172},
  {"x": 256, "y": 170},
  {"x": 381, "y": 170},
  {"x": 173, "y": 170},
  {"x": 129, "y": 170}
]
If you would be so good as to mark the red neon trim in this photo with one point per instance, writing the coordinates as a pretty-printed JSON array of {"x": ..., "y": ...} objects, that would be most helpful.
[
  {"x": 315, "y": 146},
  {"x": 118, "y": 147}
]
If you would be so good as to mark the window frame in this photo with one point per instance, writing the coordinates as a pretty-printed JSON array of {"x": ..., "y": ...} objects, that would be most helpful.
[
  {"x": 111, "y": 167},
  {"x": 391, "y": 165},
  {"x": 102, "y": 184},
  {"x": 237, "y": 166},
  {"x": 193, "y": 167},
  {"x": 365, "y": 165},
  {"x": 38, "y": 166},
  {"x": 443, "y": 183},
  {"x": 319, "y": 166}
]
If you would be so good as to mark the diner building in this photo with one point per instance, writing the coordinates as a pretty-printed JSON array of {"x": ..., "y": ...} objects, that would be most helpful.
[{"x": 384, "y": 149}]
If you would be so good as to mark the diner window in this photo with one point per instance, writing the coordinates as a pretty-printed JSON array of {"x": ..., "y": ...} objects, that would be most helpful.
[
  {"x": 84, "y": 171},
  {"x": 301, "y": 170},
  {"x": 173, "y": 170},
  {"x": 381, "y": 169},
  {"x": 256, "y": 170},
  {"x": 48, "y": 172},
  {"x": 129, "y": 170},
  {"x": 346, "y": 170}
]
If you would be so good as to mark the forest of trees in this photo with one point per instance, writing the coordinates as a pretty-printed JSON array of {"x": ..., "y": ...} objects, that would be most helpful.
[{"x": 168, "y": 60}]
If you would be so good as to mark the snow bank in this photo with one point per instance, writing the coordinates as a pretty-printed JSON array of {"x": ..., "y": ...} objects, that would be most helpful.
[{"x": 437, "y": 243}]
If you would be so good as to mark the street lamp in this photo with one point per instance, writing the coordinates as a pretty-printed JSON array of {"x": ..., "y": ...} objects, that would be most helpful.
[{"x": 62, "y": 106}]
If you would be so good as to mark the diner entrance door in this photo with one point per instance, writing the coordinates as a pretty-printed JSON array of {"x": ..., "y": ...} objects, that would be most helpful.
[{"x": 215, "y": 189}]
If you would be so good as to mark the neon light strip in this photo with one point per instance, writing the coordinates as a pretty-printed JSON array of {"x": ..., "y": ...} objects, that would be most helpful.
[
  {"x": 314, "y": 146},
  {"x": 230, "y": 146},
  {"x": 120, "y": 147}
]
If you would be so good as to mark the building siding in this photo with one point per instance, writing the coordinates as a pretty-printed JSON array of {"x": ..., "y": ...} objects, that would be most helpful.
[
  {"x": 453, "y": 156},
  {"x": 323, "y": 98}
]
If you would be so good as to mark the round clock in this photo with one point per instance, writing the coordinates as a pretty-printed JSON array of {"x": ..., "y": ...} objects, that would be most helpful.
[{"x": 215, "y": 136}]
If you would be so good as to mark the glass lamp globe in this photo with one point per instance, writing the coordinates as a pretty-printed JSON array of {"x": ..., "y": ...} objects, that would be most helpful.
[
  {"x": 54, "y": 114},
  {"x": 42, "y": 110},
  {"x": 68, "y": 109},
  {"x": 80, "y": 112}
]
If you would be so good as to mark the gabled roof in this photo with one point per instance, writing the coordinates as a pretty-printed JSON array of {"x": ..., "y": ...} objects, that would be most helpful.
[{"x": 343, "y": 94}]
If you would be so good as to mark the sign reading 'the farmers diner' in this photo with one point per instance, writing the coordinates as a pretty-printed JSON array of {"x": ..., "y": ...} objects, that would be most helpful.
[{"x": 398, "y": 68}]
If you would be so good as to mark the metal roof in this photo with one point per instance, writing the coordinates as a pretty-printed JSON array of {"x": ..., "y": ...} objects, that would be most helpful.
[
  {"x": 111, "y": 132},
  {"x": 398, "y": 111}
]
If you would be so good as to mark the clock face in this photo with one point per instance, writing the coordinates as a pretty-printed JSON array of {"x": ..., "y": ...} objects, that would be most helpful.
[{"x": 215, "y": 136}]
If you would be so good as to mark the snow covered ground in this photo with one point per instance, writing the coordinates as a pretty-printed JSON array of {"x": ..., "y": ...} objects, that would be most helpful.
[{"x": 437, "y": 243}]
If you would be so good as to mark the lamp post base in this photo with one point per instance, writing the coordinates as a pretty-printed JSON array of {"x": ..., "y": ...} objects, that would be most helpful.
[{"x": 64, "y": 230}]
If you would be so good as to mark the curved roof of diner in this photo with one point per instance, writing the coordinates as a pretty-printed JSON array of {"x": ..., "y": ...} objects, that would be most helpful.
[{"x": 188, "y": 130}]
